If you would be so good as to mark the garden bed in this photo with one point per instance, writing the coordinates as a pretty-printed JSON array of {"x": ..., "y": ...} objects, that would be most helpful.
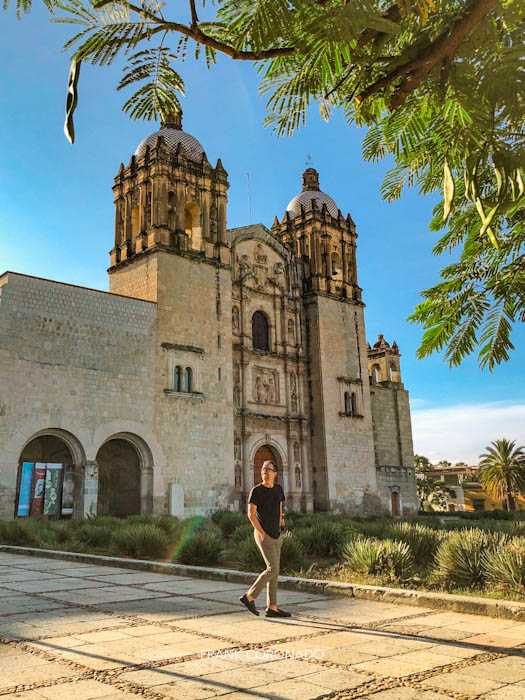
[{"x": 420, "y": 555}]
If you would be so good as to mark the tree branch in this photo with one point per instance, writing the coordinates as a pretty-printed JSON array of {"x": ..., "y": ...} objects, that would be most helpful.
[
  {"x": 439, "y": 51},
  {"x": 195, "y": 33}
]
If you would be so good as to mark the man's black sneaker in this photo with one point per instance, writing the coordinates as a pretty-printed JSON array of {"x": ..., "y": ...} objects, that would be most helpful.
[
  {"x": 277, "y": 613},
  {"x": 250, "y": 604}
]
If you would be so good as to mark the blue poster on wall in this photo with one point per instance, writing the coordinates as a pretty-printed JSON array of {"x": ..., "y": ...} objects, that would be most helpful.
[{"x": 26, "y": 482}]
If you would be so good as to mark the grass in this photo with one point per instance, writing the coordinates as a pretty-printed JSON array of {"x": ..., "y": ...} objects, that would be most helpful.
[{"x": 463, "y": 556}]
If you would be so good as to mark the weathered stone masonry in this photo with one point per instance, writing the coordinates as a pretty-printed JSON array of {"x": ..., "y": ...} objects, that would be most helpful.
[{"x": 214, "y": 350}]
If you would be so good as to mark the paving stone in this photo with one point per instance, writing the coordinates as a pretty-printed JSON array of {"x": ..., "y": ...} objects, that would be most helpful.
[
  {"x": 79, "y": 690},
  {"x": 292, "y": 689},
  {"x": 462, "y": 681},
  {"x": 405, "y": 694},
  {"x": 507, "y": 670},
  {"x": 336, "y": 679}
]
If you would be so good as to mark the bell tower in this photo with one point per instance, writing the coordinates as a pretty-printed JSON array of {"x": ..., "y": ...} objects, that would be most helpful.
[
  {"x": 171, "y": 248},
  {"x": 314, "y": 228},
  {"x": 342, "y": 441},
  {"x": 169, "y": 197}
]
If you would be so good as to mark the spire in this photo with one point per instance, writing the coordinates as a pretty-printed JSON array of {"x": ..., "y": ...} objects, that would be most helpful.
[
  {"x": 310, "y": 180},
  {"x": 172, "y": 121}
]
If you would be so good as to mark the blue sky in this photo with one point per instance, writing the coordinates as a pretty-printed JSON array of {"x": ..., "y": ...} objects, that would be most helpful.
[{"x": 56, "y": 210}]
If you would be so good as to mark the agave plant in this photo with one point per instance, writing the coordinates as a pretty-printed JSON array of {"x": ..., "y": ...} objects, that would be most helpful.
[
  {"x": 422, "y": 541},
  {"x": 506, "y": 564},
  {"x": 142, "y": 541},
  {"x": 460, "y": 558}
]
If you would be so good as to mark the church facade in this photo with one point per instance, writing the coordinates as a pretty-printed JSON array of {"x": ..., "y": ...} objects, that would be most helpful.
[{"x": 214, "y": 350}]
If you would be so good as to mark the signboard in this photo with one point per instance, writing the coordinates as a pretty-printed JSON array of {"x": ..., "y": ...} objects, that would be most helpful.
[
  {"x": 68, "y": 490},
  {"x": 53, "y": 488},
  {"x": 24, "y": 495},
  {"x": 39, "y": 486}
]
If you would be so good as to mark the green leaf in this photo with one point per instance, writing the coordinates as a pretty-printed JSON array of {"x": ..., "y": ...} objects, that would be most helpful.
[{"x": 448, "y": 190}]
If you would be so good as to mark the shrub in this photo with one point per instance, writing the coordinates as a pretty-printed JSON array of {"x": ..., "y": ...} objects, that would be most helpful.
[
  {"x": 60, "y": 531},
  {"x": 202, "y": 548},
  {"x": 506, "y": 564},
  {"x": 423, "y": 541},
  {"x": 141, "y": 541},
  {"x": 170, "y": 524},
  {"x": 248, "y": 555},
  {"x": 291, "y": 552},
  {"x": 241, "y": 533},
  {"x": 324, "y": 539},
  {"x": 22, "y": 533},
  {"x": 92, "y": 535},
  {"x": 368, "y": 556},
  {"x": 374, "y": 528},
  {"x": 108, "y": 521},
  {"x": 459, "y": 558},
  {"x": 250, "y": 558},
  {"x": 229, "y": 522}
]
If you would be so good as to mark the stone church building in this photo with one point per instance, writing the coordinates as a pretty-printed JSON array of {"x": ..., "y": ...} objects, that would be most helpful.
[{"x": 214, "y": 350}]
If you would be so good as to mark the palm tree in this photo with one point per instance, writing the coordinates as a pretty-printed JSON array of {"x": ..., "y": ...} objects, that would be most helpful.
[{"x": 502, "y": 470}]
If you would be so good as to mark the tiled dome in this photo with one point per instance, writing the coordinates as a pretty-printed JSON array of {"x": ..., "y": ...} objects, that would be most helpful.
[
  {"x": 171, "y": 131},
  {"x": 311, "y": 191},
  {"x": 304, "y": 198}
]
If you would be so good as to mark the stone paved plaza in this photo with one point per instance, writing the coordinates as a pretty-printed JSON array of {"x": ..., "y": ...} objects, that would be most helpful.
[{"x": 77, "y": 631}]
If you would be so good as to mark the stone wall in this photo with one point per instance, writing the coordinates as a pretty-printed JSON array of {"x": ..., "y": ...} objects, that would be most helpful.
[
  {"x": 194, "y": 330},
  {"x": 342, "y": 445},
  {"x": 393, "y": 443},
  {"x": 75, "y": 361}
]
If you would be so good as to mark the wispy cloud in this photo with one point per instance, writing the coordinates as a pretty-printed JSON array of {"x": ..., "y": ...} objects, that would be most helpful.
[{"x": 461, "y": 432}]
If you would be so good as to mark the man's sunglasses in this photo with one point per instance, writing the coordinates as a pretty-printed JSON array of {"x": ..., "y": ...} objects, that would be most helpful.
[{"x": 268, "y": 469}]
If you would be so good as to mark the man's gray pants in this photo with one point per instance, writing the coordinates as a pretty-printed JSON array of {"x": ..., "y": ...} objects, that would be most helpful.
[{"x": 271, "y": 551}]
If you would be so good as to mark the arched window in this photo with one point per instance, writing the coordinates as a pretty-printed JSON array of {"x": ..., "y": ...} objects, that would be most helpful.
[
  {"x": 188, "y": 380},
  {"x": 171, "y": 211},
  {"x": 336, "y": 270},
  {"x": 192, "y": 225},
  {"x": 260, "y": 331},
  {"x": 375, "y": 373},
  {"x": 348, "y": 404},
  {"x": 353, "y": 403},
  {"x": 177, "y": 384}
]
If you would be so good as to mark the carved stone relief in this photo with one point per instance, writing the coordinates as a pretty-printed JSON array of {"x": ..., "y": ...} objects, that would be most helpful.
[
  {"x": 237, "y": 449},
  {"x": 238, "y": 475},
  {"x": 297, "y": 476},
  {"x": 296, "y": 452},
  {"x": 265, "y": 385},
  {"x": 235, "y": 318}
]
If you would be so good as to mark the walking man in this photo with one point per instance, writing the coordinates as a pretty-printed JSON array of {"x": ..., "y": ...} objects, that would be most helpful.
[{"x": 265, "y": 512}]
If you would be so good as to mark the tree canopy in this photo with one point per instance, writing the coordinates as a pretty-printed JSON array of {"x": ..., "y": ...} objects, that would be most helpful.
[
  {"x": 438, "y": 83},
  {"x": 502, "y": 470}
]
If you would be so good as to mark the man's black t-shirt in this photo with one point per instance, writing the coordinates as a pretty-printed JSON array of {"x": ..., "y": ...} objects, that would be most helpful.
[{"x": 268, "y": 502}]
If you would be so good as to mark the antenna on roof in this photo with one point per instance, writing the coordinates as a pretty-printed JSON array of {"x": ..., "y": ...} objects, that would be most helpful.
[
  {"x": 308, "y": 160},
  {"x": 249, "y": 198}
]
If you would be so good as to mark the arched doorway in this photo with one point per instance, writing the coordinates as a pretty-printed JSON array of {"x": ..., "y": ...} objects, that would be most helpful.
[
  {"x": 395, "y": 502},
  {"x": 46, "y": 478},
  {"x": 263, "y": 453},
  {"x": 118, "y": 478}
]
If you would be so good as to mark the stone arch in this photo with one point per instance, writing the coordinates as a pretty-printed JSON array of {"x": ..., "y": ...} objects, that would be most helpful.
[
  {"x": 138, "y": 498},
  {"x": 261, "y": 326},
  {"x": 376, "y": 373},
  {"x": 192, "y": 225},
  {"x": 59, "y": 446},
  {"x": 336, "y": 266}
]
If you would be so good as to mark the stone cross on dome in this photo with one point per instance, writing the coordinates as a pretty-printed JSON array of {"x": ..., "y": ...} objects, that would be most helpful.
[{"x": 172, "y": 121}]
